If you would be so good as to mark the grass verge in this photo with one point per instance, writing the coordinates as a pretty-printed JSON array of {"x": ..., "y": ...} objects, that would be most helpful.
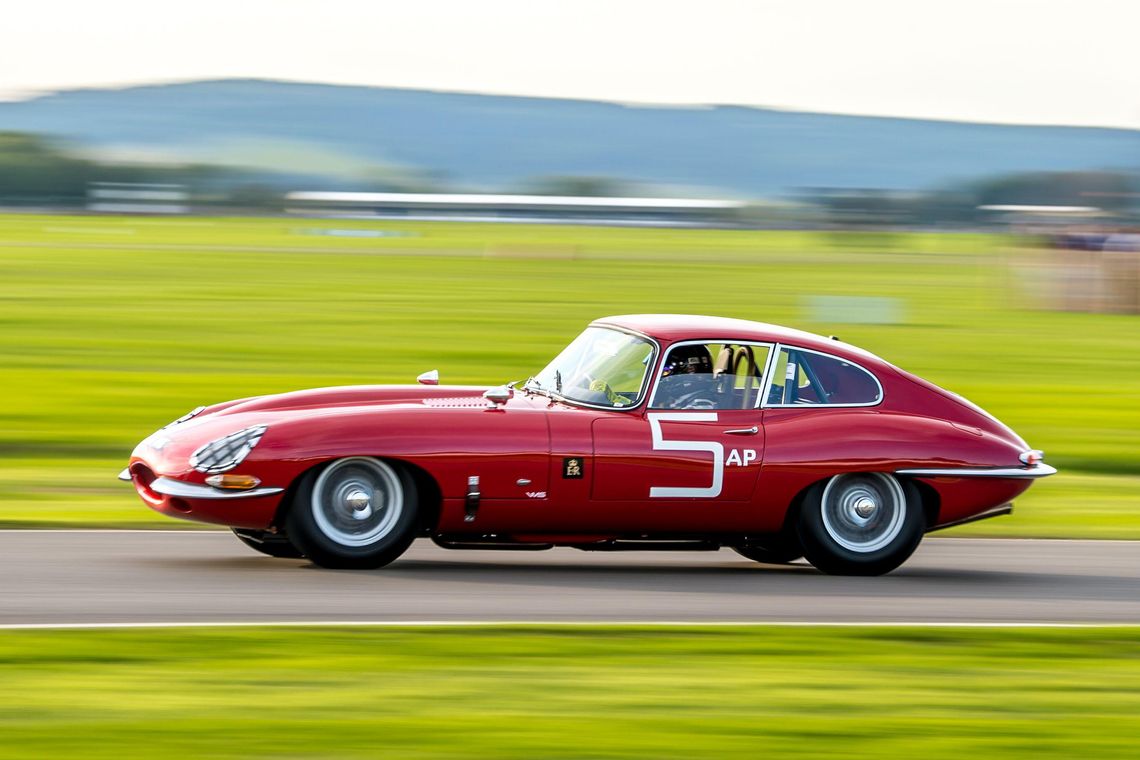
[
  {"x": 112, "y": 327},
  {"x": 571, "y": 692}
]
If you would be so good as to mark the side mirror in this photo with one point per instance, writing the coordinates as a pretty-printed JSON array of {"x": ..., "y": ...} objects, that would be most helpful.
[
  {"x": 499, "y": 396},
  {"x": 431, "y": 377}
]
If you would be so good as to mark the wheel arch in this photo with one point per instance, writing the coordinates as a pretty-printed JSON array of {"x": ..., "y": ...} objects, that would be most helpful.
[
  {"x": 931, "y": 501},
  {"x": 792, "y": 513},
  {"x": 927, "y": 494},
  {"x": 428, "y": 493}
]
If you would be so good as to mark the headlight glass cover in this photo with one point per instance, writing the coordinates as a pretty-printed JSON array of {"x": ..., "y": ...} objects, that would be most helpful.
[{"x": 227, "y": 452}]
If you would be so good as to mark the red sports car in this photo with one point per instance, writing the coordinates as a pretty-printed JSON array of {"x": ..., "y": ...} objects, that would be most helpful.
[{"x": 646, "y": 432}]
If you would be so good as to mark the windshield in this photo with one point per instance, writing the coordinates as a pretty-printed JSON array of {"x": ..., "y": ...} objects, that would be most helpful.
[{"x": 602, "y": 367}]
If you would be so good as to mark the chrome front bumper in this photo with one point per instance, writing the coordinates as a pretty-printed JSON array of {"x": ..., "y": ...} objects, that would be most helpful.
[
  {"x": 1040, "y": 470},
  {"x": 172, "y": 487}
]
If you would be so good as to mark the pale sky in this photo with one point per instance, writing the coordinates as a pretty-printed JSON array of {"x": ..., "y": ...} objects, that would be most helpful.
[{"x": 1046, "y": 61}]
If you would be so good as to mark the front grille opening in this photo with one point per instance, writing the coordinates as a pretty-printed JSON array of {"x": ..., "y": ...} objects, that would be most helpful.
[{"x": 143, "y": 476}]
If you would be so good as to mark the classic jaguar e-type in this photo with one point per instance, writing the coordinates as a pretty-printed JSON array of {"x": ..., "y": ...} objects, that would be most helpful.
[{"x": 646, "y": 432}]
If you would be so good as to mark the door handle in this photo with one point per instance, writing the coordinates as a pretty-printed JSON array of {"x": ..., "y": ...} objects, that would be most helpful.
[{"x": 743, "y": 431}]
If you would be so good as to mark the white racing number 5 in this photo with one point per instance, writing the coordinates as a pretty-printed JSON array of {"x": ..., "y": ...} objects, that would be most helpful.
[{"x": 713, "y": 447}]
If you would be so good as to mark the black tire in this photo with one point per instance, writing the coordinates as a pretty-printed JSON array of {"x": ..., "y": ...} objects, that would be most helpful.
[
  {"x": 274, "y": 544},
  {"x": 861, "y": 523},
  {"x": 354, "y": 513},
  {"x": 779, "y": 550}
]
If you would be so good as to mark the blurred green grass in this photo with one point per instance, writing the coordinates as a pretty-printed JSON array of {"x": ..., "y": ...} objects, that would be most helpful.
[
  {"x": 583, "y": 692},
  {"x": 111, "y": 327}
]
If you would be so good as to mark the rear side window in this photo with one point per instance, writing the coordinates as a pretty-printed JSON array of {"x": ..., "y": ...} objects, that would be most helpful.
[{"x": 805, "y": 378}]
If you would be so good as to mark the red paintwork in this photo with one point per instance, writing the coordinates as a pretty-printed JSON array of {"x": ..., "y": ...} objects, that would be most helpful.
[{"x": 450, "y": 433}]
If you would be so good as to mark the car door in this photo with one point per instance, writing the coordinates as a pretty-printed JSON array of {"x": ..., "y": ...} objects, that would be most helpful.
[
  {"x": 713, "y": 454},
  {"x": 689, "y": 462}
]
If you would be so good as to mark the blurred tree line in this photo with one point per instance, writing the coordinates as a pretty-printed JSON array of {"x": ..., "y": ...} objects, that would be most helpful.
[
  {"x": 36, "y": 171},
  {"x": 1116, "y": 193},
  {"x": 1110, "y": 191}
]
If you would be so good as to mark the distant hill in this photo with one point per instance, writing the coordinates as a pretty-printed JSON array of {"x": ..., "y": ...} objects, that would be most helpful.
[{"x": 494, "y": 142}]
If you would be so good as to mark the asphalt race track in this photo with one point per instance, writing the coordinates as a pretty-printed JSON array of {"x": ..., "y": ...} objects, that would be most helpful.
[{"x": 89, "y": 577}]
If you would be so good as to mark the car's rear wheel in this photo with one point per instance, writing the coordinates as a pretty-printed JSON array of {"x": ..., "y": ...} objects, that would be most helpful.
[
  {"x": 864, "y": 523},
  {"x": 356, "y": 512},
  {"x": 272, "y": 544}
]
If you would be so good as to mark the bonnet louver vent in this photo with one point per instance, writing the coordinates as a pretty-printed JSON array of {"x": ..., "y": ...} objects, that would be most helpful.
[{"x": 460, "y": 402}]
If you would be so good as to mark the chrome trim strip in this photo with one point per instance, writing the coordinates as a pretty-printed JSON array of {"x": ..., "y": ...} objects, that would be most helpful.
[
  {"x": 186, "y": 417},
  {"x": 125, "y": 475},
  {"x": 771, "y": 379},
  {"x": 766, "y": 375},
  {"x": 1040, "y": 471},
  {"x": 172, "y": 487}
]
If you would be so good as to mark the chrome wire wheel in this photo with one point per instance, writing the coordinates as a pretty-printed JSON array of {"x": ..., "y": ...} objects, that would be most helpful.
[
  {"x": 865, "y": 512},
  {"x": 357, "y": 501}
]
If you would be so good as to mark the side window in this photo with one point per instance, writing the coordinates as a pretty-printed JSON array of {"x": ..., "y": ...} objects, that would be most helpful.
[
  {"x": 711, "y": 376},
  {"x": 807, "y": 378}
]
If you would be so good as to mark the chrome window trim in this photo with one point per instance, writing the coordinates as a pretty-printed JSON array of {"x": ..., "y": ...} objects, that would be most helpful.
[
  {"x": 1041, "y": 470},
  {"x": 770, "y": 378},
  {"x": 641, "y": 393},
  {"x": 769, "y": 370},
  {"x": 726, "y": 342}
]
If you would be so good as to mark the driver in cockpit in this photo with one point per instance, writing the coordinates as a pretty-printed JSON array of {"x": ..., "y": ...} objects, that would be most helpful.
[{"x": 687, "y": 380}]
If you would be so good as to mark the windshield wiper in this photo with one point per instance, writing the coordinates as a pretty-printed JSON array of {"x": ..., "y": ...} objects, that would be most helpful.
[{"x": 533, "y": 386}]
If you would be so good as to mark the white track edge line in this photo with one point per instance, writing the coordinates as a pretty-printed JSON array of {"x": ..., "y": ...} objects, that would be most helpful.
[
  {"x": 226, "y": 532},
  {"x": 556, "y": 624}
]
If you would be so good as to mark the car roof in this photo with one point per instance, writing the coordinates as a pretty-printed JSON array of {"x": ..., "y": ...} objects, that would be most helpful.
[{"x": 670, "y": 328}]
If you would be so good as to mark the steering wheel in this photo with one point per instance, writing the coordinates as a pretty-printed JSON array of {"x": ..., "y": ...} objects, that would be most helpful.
[
  {"x": 586, "y": 380},
  {"x": 601, "y": 386}
]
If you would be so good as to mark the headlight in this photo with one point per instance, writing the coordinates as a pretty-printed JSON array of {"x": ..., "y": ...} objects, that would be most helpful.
[{"x": 228, "y": 452}]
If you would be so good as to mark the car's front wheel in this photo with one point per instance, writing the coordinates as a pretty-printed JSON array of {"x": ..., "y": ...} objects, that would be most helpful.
[
  {"x": 356, "y": 513},
  {"x": 864, "y": 523}
]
